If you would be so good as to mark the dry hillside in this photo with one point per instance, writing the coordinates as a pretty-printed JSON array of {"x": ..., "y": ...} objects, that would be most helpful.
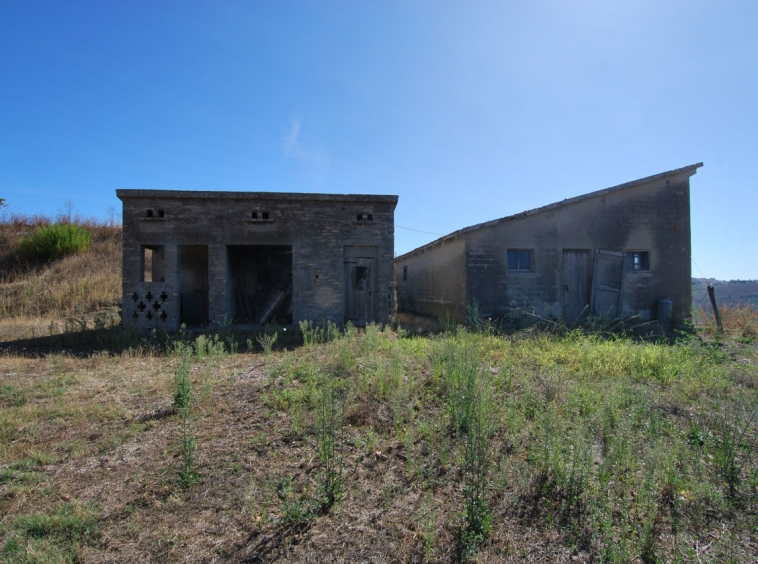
[{"x": 74, "y": 288}]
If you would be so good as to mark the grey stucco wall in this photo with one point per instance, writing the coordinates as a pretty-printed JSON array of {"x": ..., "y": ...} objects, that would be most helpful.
[
  {"x": 651, "y": 215},
  {"x": 436, "y": 281},
  {"x": 652, "y": 218},
  {"x": 317, "y": 227}
]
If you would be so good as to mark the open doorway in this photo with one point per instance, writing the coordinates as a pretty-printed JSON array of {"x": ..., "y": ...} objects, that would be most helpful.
[
  {"x": 260, "y": 284},
  {"x": 193, "y": 284}
]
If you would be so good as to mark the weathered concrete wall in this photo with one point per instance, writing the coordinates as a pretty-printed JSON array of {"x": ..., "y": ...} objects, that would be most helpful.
[
  {"x": 317, "y": 227},
  {"x": 651, "y": 216},
  {"x": 435, "y": 280}
]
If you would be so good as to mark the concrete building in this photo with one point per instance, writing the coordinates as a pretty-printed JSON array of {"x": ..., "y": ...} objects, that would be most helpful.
[
  {"x": 617, "y": 252},
  {"x": 250, "y": 258}
]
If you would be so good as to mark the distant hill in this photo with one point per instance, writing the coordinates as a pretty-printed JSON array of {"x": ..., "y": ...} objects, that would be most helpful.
[{"x": 728, "y": 292}]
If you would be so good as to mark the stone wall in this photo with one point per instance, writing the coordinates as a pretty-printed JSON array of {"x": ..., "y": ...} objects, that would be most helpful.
[{"x": 317, "y": 227}]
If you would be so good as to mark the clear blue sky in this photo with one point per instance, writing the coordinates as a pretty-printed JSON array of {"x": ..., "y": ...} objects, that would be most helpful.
[{"x": 468, "y": 111}]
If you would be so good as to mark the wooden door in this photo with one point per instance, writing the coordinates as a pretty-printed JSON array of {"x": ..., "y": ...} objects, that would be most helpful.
[
  {"x": 359, "y": 290},
  {"x": 576, "y": 284},
  {"x": 607, "y": 283}
]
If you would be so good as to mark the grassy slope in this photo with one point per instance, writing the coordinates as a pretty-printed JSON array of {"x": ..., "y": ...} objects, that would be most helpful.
[
  {"x": 593, "y": 449},
  {"x": 75, "y": 288},
  {"x": 597, "y": 450}
]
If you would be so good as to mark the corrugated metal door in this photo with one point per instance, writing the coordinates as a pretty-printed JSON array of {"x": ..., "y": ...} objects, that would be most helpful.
[
  {"x": 576, "y": 284},
  {"x": 359, "y": 290},
  {"x": 608, "y": 283}
]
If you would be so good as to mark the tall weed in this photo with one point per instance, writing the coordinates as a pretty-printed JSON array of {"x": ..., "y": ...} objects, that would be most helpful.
[{"x": 53, "y": 241}]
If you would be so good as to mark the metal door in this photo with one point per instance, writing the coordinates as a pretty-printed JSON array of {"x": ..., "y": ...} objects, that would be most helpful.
[
  {"x": 608, "y": 283},
  {"x": 576, "y": 284},
  {"x": 359, "y": 290}
]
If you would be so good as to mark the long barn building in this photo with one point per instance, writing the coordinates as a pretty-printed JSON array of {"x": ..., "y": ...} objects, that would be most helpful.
[{"x": 616, "y": 252}]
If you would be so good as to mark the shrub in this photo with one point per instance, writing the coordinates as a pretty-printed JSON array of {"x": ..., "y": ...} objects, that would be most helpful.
[{"x": 53, "y": 241}]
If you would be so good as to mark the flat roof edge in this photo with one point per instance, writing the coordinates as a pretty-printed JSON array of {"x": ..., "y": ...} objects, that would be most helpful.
[{"x": 129, "y": 193}]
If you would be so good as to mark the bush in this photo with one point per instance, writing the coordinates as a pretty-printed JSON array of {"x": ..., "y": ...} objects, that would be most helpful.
[{"x": 53, "y": 241}]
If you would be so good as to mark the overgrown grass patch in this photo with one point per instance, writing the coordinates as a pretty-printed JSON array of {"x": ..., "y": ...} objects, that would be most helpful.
[
  {"x": 571, "y": 445},
  {"x": 53, "y": 241}
]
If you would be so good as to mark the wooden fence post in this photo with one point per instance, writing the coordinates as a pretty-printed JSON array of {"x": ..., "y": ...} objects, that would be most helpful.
[{"x": 712, "y": 295}]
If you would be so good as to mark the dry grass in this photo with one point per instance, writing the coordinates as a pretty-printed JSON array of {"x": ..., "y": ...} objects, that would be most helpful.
[
  {"x": 93, "y": 439},
  {"x": 739, "y": 321},
  {"x": 71, "y": 287}
]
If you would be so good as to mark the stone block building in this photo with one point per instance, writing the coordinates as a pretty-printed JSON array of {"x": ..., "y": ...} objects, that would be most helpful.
[
  {"x": 616, "y": 252},
  {"x": 250, "y": 258}
]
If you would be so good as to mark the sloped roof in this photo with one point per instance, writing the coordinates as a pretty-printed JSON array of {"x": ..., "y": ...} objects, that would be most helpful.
[{"x": 687, "y": 170}]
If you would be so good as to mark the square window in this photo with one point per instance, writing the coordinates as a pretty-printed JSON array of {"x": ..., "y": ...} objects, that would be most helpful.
[
  {"x": 520, "y": 259},
  {"x": 638, "y": 261}
]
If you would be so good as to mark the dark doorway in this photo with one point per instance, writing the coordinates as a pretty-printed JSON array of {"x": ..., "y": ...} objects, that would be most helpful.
[
  {"x": 576, "y": 285},
  {"x": 260, "y": 284},
  {"x": 193, "y": 284},
  {"x": 359, "y": 290}
]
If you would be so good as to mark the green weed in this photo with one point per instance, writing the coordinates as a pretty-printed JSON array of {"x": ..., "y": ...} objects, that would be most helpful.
[{"x": 53, "y": 241}]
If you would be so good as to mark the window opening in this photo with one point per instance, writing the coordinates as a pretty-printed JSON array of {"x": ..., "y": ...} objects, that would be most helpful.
[
  {"x": 638, "y": 261},
  {"x": 153, "y": 264},
  {"x": 318, "y": 278},
  {"x": 361, "y": 278},
  {"x": 519, "y": 259},
  {"x": 255, "y": 215},
  {"x": 161, "y": 213},
  {"x": 405, "y": 273},
  {"x": 149, "y": 213}
]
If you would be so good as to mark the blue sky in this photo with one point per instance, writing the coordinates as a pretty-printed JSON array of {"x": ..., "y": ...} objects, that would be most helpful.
[{"x": 468, "y": 111}]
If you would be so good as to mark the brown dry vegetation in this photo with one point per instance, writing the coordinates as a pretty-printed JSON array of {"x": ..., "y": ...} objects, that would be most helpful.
[
  {"x": 739, "y": 321},
  {"x": 75, "y": 288},
  {"x": 597, "y": 449}
]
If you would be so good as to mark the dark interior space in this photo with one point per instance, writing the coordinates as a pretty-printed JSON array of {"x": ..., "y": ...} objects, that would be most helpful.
[
  {"x": 193, "y": 284},
  {"x": 260, "y": 284}
]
